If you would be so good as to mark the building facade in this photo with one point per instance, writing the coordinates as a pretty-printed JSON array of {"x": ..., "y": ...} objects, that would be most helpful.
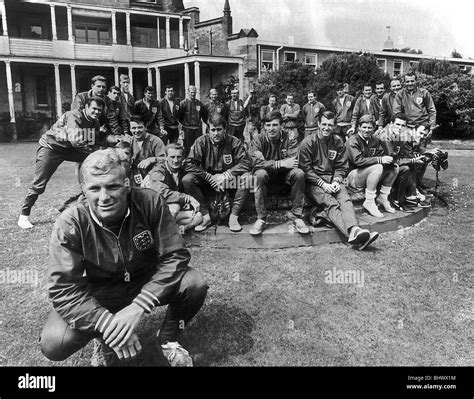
[{"x": 50, "y": 49}]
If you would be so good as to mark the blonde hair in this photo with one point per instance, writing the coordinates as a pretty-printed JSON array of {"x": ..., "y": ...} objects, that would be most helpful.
[{"x": 103, "y": 161}]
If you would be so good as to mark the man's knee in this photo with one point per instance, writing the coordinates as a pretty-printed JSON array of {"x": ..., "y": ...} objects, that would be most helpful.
[
  {"x": 375, "y": 169},
  {"x": 195, "y": 283},
  {"x": 189, "y": 180},
  {"x": 174, "y": 209},
  {"x": 296, "y": 175},
  {"x": 261, "y": 177}
]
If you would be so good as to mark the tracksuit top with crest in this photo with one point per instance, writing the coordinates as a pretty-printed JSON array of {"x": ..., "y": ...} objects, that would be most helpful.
[
  {"x": 363, "y": 153},
  {"x": 89, "y": 264},
  {"x": 273, "y": 152},
  {"x": 228, "y": 157},
  {"x": 323, "y": 161}
]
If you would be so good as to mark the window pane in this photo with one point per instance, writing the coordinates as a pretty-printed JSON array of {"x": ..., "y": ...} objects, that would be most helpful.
[
  {"x": 92, "y": 35},
  {"x": 80, "y": 34},
  {"x": 310, "y": 59},
  {"x": 267, "y": 56},
  {"x": 290, "y": 57},
  {"x": 104, "y": 36}
]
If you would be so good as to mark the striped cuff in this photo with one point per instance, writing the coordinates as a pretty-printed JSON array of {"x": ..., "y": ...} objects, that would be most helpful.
[
  {"x": 320, "y": 183},
  {"x": 208, "y": 177},
  {"x": 146, "y": 300},
  {"x": 103, "y": 322},
  {"x": 379, "y": 159},
  {"x": 186, "y": 198},
  {"x": 277, "y": 164},
  {"x": 413, "y": 161},
  {"x": 228, "y": 175}
]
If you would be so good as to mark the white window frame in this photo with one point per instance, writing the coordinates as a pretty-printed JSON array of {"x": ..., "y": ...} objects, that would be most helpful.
[
  {"x": 261, "y": 59},
  {"x": 462, "y": 67},
  {"x": 315, "y": 55},
  {"x": 289, "y": 52},
  {"x": 385, "y": 64},
  {"x": 401, "y": 68}
]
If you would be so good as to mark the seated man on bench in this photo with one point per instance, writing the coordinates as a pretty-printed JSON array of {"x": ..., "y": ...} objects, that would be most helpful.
[
  {"x": 323, "y": 159},
  {"x": 275, "y": 158},
  {"x": 167, "y": 179},
  {"x": 370, "y": 167}
]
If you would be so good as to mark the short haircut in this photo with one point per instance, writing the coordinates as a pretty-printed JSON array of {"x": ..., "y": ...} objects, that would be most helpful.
[
  {"x": 401, "y": 116},
  {"x": 124, "y": 78},
  {"x": 380, "y": 82},
  {"x": 101, "y": 162},
  {"x": 192, "y": 87},
  {"x": 367, "y": 119},
  {"x": 174, "y": 146},
  {"x": 99, "y": 101},
  {"x": 328, "y": 115},
  {"x": 98, "y": 78},
  {"x": 367, "y": 85},
  {"x": 411, "y": 73},
  {"x": 272, "y": 95},
  {"x": 169, "y": 87},
  {"x": 313, "y": 92},
  {"x": 137, "y": 119},
  {"x": 340, "y": 86},
  {"x": 290, "y": 95},
  {"x": 217, "y": 120},
  {"x": 274, "y": 115},
  {"x": 123, "y": 145},
  {"x": 396, "y": 78},
  {"x": 151, "y": 89},
  {"x": 114, "y": 88}
]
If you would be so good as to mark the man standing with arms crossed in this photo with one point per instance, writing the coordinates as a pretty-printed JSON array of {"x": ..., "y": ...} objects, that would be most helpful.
[{"x": 290, "y": 113}]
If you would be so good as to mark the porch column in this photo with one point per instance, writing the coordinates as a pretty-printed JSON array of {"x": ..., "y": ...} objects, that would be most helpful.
[
  {"x": 168, "y": 35},
  {"x": 186, "y": 76},
  {"x": 181, "y": 34},
  {"x": 114, "y": 28},
  {"x": 57, "y": 81},
  {"x": 70, "y": 34},
  {"x": 53, "y": 21},
  {"x": 130, "y": 76},
  {"x": 129, "y": 33},
  {"x": 116, "y": 75},
  {"x": 197, "y": 79},
  {"x": 150, "y": 77},
  {"x": 4, "y": 19},
  {"x": 158, "y": 40},
  {"x": 73, "y": 81},
  {"x": 241, "y": 78},
  {"x": 158, "y": 80},
  {"x": 11, "y": 103}
]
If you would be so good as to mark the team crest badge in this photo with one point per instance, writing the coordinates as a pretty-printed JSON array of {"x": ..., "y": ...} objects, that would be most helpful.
[
  {"x": 138, "y": 179},
  {"x": 198, "y": 108},
  {"x": 177, "y": 107},
  {"x": 332, "y": 155},
  {"x": 397, "y": 149},
  {"x": 284, "y": 152},
  {"x": 348, "y": 104},
  {"x": 419, "y": 100},
  {"x": 227, "y": 159},
  {"x": 144, "y": 240},
  {"x": 372, "y": 152},
  {"x": 154, "y": 110},
  {"x": 218, "y": 110},
  {"x": 316, "y": 110}
]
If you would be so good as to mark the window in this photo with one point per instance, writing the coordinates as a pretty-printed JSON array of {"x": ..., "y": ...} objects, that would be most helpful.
[
  {"x": 382, "y": 63},
  {"x": 36, "y": 31},
  {"x": 311, "y": 59},
  {"x": 290, "y": 56},
  {"x": 41, "y": 92},
  {"x": 92, "y": 34},
  {"x": 268, "y": 61},
  {"x": 462, "y": 68},
  {"x": 397, "y": 67}
]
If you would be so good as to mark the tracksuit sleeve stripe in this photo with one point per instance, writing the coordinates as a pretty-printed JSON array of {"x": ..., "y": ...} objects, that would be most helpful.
[
  {"x": 104, "y": 320},
  {"x": 146, "y": 300}
]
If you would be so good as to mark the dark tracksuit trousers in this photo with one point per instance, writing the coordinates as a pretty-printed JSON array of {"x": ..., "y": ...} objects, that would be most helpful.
[
  {"x": 59, "y": 341},
  {"x": 47, "y": 161},
  {"x": 278, "y": 179},
  {"x": 338, "y": 207}
]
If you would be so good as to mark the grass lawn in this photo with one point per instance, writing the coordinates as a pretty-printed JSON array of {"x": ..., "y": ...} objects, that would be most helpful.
[{"x": 274, "y": 307}]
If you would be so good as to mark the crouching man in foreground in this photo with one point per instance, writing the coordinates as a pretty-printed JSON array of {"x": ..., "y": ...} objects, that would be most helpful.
[{"x": 115, "y": 256}]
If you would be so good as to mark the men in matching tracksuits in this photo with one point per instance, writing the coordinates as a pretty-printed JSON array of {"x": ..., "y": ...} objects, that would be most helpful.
[
  {"x": 191, "y": 115},
  {"x": 323, "y": 159},
  {"x": 311, "y": 113},
  {"x": 216, "y": 161}
]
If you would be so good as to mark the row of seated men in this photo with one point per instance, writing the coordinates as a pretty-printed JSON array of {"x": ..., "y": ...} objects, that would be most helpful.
[
  {"x": 274, "y": 157},
  {"x": 218, "y": 162}
]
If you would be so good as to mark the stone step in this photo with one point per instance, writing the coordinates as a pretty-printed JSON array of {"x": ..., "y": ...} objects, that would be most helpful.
[{"x": 283, "y": 235}]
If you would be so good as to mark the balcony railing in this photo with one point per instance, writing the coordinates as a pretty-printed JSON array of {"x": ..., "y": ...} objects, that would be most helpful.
[
  {"x": 93, "y": 52},
  {"x": 31, "y": 47}
]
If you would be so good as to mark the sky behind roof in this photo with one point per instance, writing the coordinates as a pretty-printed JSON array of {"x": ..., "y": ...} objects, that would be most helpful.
[{"x": 434, "y": 26}]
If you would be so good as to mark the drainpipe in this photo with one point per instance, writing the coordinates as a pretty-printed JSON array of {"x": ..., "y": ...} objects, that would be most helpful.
[{"x": 278, "y": 57}]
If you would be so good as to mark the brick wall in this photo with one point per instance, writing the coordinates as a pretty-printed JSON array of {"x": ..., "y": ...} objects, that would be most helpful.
[{"x": 219, "y": 40}]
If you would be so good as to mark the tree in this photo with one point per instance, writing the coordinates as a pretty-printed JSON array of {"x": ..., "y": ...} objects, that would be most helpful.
[{"x": 455, "y": 54}]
